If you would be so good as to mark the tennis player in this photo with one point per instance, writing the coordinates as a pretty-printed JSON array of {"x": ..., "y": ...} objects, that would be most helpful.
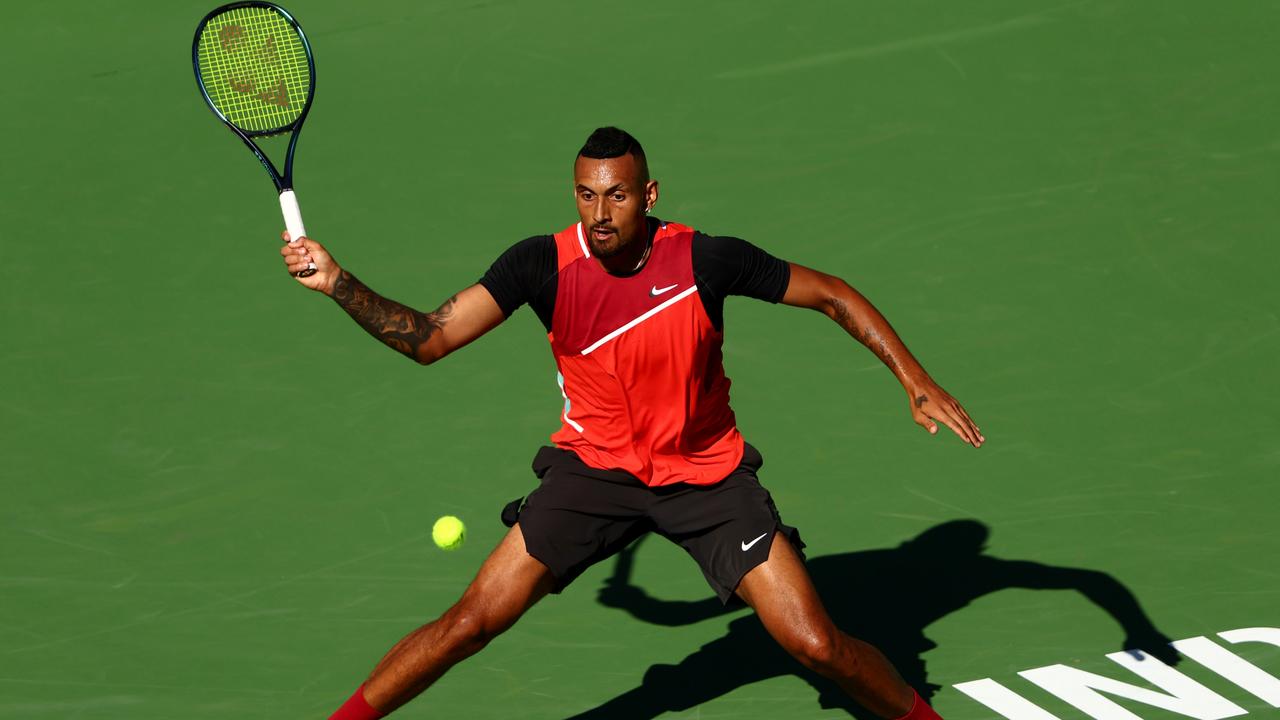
[{"x": 633, "y": 308}]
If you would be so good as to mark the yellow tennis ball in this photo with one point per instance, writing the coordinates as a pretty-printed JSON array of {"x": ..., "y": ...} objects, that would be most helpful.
[{"x": 448, "y": 532}]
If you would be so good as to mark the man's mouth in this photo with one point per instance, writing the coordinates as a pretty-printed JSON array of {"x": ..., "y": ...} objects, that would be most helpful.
[{"x": 602, "y": 232}]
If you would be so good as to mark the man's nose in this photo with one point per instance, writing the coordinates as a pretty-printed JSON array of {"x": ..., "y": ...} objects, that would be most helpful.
[{"x": 600, "y": 211}]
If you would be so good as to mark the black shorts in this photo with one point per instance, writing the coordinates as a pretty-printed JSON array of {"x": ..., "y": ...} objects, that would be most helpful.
[{"x": 579, "y": 516}]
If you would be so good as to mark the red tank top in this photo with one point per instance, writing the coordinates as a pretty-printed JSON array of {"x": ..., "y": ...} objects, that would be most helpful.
[{"x": 640, "y": 366}]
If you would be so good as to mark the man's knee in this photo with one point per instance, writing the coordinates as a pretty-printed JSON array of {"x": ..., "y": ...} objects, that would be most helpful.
[
  {"x": 469, "y": 628},
  {"x": 822, "y": 651}
]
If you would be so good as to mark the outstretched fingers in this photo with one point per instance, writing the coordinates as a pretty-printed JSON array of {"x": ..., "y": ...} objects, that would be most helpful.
[{"x": 947, "y": 411}]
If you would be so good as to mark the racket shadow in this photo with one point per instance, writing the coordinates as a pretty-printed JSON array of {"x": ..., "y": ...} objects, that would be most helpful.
[{"x": 887, "y": 597}]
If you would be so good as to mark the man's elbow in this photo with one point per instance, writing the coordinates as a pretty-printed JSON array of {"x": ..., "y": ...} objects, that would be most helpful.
[
  {"x": 428, "y": 355},
  {"x": 835, "y": 295}
]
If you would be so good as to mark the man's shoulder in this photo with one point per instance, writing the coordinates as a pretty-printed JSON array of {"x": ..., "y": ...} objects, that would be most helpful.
[
  {"x": 525, "y": 254},
  {"x": 532, "y": 245},
  {"x": 676, "y": 228},
  {"x": 720, "y": 246},
  {"x": 534, "y": 241}
]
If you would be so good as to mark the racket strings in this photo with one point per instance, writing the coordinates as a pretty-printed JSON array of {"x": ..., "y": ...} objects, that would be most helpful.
[{"x": 254, "y": 68}]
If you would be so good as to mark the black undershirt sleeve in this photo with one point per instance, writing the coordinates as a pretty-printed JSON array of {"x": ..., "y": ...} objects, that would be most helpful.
[
  {"x": 727, "y": 266},
  {"x": 525, "y": 273}
]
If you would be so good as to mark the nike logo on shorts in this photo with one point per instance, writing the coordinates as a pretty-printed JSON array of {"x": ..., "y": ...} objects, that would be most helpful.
[
  {"x": 747, "y": 545},
  {"x": 655, "y": 291}
]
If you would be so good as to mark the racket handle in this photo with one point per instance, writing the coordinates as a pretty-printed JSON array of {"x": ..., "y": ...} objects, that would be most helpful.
[{"x": 293, "y": 223}]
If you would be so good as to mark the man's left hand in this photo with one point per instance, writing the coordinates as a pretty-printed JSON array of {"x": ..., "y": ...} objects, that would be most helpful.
[{"x": 930, "y": 403}]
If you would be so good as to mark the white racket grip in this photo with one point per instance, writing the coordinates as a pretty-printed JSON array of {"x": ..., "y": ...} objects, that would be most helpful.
[
  {"x": 293, "y": 223},
  {"x": 292, "y": 214}
]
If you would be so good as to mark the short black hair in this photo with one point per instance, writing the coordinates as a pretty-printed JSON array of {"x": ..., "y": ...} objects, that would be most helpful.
[{"x": 611, "y": 142}]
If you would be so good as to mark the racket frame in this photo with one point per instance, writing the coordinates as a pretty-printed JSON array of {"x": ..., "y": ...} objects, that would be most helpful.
[{"x": 283, "y": 181}]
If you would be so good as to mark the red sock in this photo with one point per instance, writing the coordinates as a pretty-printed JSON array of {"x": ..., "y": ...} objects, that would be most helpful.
[
  {"x": 920, "y": 710},
  {"x": 357, "y": 708}
]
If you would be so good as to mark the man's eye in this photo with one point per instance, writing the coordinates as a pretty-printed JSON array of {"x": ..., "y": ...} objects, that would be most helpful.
[
  {"x": 586, "y": 196},
  {"x": 619, "y": 197}
]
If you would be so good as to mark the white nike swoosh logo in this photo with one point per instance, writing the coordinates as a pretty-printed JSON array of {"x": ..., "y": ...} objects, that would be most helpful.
[
  {"x": 655, "y": 291},
  {"x": 747, "y": 545}
]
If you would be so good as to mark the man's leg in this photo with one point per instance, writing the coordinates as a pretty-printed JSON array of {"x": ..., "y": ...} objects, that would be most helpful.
[
  {"x": 508, "y": 584},
  {"x": 783, "y": 596}
]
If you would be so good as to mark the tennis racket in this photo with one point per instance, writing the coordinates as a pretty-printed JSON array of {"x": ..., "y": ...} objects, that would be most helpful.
[{"x": 255, "y": 70}]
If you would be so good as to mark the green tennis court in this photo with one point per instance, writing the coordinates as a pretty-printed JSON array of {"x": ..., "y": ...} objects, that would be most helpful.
[{"x": 218, "y": 492}]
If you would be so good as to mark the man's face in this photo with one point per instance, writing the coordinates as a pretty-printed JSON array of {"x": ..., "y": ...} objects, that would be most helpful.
[{"x": 613, "y": 195}]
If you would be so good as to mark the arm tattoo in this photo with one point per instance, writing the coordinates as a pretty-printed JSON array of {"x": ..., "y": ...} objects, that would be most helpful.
[
  {"x": 920, "y": 401},
  {"x": 865, "y": 335},
  {"x": 401, "y": 328}
]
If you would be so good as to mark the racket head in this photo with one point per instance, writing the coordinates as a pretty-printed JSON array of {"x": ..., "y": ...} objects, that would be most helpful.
[{"x": 254, "y": 67}]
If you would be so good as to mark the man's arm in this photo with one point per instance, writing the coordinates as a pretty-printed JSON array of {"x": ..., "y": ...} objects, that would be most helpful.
[
  {"x": 837, "y": 300},
  {"x": 423, "y": 337}
]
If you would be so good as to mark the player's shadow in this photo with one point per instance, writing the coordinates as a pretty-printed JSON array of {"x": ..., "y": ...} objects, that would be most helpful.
[{"x": 886, "y": 597}]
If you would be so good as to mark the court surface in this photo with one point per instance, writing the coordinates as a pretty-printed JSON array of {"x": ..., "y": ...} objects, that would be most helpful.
[{"x": 218, "y": 491}]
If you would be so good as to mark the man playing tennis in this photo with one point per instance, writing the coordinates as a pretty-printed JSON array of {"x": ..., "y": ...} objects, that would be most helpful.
[{"x": 633, "y": 309}]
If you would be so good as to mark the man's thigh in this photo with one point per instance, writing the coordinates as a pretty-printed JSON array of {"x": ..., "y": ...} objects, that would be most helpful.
[
  {"x": 509, "y": 582},
  {"x": 728, "y": 528},
  {"x": 781, "y": 591},
  {"x": 578, "y": 515}
]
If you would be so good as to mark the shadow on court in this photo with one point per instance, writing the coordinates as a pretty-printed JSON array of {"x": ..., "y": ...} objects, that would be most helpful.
[{"x": 886, "y": 597}]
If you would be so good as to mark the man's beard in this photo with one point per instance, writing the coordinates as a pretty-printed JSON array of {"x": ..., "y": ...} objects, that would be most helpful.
[{"x": 607, "y": 251}]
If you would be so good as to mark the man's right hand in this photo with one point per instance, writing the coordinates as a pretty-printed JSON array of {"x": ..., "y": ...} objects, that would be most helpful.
[
  {"x": 422, "y": 337},
  {"x": 298, "y": 253}
]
